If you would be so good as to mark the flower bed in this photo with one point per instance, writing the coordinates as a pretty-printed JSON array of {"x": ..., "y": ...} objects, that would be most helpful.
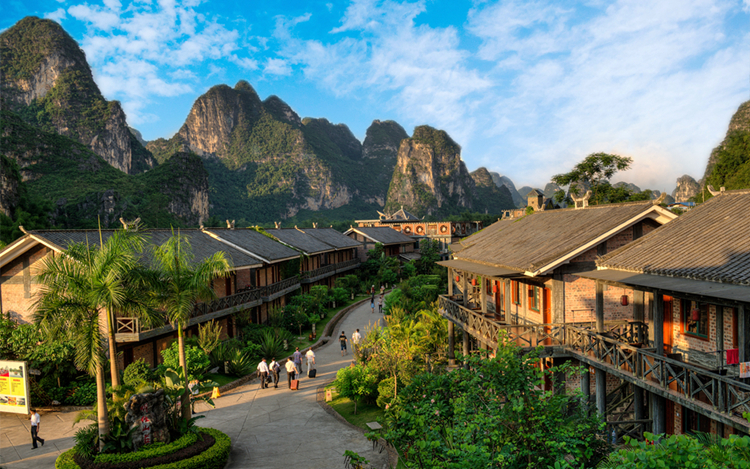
[{"x": 210, "y": 450}]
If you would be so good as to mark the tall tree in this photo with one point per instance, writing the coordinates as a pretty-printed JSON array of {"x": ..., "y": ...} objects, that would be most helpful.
[
  {"x": 594, "y": 171},
  {"x": 83, "y": 287},
  {"x": 182, "y": 283}
]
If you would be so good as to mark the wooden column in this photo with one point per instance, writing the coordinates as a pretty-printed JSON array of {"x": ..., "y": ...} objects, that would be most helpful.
[
  {"x": 601, "y": 393},
  {"x": 639, "y": 312},
  {"x": 508, "y": 318},
  {"x": 586, "y": 383},
  {"x": 558, "y": 298},
  {"x": 599, "y": 306},
  {"x": 719, "y": 334},
  {"x": 483, "y": 294},
  {"x": 743, "y": 335},
  {"x": 451, "y": 344},
  {"x": 450, "y": 281},
  {"x": 659, "y": 322},
  {"x": 465, "y": 288},
  {"x": 639, "y": 408},
  {"x": 658, "y": 414},
  {"x": 466, "y": 347}
]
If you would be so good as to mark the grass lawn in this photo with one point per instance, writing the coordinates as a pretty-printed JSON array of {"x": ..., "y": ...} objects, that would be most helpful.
[
  {"x": 219, "y": 378},
  {"x": 320, "y": 326}
]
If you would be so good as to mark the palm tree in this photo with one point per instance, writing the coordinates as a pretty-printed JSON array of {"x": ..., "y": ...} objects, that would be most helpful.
[
  {"x": 181, "y": 284},
  {"x": 77, "y": 288}
]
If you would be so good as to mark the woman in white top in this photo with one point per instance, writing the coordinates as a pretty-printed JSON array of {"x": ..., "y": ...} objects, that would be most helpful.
[{"x": 310, "y": 361}]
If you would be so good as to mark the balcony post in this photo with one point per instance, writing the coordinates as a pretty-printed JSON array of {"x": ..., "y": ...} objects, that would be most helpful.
[
  {"x": 451, "y": 344},
  {"x": 465, "y": 288},
  {"x": 743, "y": 335},
  {"x": 483, "y": 295},
  {"x": 659, "y": 322},
  {"x": 558, "y": 298},
  {"x": 719, "y": 334},
  {"x": 638, "y": 312},
  {"x": 638, "y": 403},
  {"x": 466, "y": 347},
  {"x": 658, "y": 414},
  {"x": 599, "y": 306},
  {"x": 601, "y": 393},
  {"x": 508, "y": 316},
  {"x": 586, "y": 383},
  {"x": 450, "y": 281}
]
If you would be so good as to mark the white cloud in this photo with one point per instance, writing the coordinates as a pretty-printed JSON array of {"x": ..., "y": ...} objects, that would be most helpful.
[
  {"x": 57, "y": 15},
  {"x": 277, "y": 67},
  {"x": 142, "y": 50}
]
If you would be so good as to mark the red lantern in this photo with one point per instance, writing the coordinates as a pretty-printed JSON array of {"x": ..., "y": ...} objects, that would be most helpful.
[
  {"x": 695, "y": 314},
  {"x": 494, "y": 288},
  {"x": 624, "y": 300},
  {"x": 473, "y": 281},
  {"x": 458, "y": 278}
]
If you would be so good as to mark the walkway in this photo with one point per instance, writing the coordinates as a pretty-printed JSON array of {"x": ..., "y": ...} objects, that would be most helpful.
[{"x": 270, "y": 428}]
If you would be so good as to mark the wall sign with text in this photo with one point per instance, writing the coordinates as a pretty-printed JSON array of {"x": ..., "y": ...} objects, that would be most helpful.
[{"x": 14, "y": 387}]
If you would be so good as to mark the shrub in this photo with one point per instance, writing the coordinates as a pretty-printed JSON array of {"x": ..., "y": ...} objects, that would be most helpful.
[
  {"x": 223, "y": 352},
  {"x": 84, "y": 395},
  {"x": 197, "y": 361},
  {"x": 386, "y": 392},
  {"x": 209, "y": 336},
  {"x": 356, "y": 383},
  {"x": 240, "y": 364},
  {"x": 215, "y": 457},
  {"x": 271, "y": 346},
  {"x": 87, "y": 439},
  {"x": 138, "y": 372},
  {"x": 149, "y": 451}
]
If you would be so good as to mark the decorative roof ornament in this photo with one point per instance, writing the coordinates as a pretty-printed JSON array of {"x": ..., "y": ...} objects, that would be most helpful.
[
  {"x": 581, "y": 202},
  {"x": 661, "y": 199},
  {"x": 230, "y": 224},
  {"x": 277, "y": 224},
  {"x": 713, "y": 192},
  {"x": 130, "y": 225}
]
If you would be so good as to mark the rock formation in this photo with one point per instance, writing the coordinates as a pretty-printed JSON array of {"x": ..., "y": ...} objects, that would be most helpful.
[
  {"x": 488, "y": 196},
  {"x": 10, "y": 191},
  {"x": 687, "y": 187},
  {"x": 46, "y": 79},
  {"x": 740, "y": 122},
  {"x": 147, "y": 417},
  {"x": 499, "y": 180}
]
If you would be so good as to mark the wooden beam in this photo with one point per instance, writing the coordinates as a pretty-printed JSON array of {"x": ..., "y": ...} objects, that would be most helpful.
[
  {"x": 601, "y": 393},
  {"x": 599, "y": 306},
  {"x": 659, "y": 323},
  {"x": 450, "y": 281}
]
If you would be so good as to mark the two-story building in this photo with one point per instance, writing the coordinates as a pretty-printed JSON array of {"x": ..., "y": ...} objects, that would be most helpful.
[{"x": 394, "y": 243}]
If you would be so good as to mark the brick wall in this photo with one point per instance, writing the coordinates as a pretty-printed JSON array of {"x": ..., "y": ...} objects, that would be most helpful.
[
  {"x": 580, "y": 300},
  {"x": 18, "y": 284},
  {"x": 244, "y": 278},
  {"x": 146, "y": 352}
]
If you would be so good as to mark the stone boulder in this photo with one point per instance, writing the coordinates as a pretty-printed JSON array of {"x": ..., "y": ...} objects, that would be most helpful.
[{"x": 146, "y": 413}]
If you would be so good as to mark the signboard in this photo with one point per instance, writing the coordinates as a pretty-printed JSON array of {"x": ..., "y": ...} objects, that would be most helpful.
[
  {"x": 14, "y": 387},
  {"x": 745, "y": 370}
]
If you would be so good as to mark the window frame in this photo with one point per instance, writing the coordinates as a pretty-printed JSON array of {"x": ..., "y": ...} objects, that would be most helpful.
[
  {"x": 686, "y": 306},
  {"x": 534, "y": 298},
  {"x": 515, "y": 298}
]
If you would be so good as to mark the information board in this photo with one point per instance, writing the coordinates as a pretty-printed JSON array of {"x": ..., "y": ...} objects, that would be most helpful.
[
  {"x": 14, "y": 387},
  {"x": 745, "y": 370}
]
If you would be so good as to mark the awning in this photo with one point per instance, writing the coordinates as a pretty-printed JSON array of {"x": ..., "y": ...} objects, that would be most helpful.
[
  {"x": 481, "y": 269},
  {"x": 674, "y": 284},
  {"x": 410, "y": 256}
]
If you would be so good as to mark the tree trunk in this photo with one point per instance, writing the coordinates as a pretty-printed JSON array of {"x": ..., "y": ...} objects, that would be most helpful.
[
  {"x": 185, "y": 405},
  {"x": 112, "y": 351},
  {"x": 101, "y": 405}
]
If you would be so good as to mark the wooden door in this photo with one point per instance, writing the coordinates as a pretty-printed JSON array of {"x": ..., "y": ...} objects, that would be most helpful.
[
  {"x": 499, "y": 300},
  {"x": 668, "y": 329}
]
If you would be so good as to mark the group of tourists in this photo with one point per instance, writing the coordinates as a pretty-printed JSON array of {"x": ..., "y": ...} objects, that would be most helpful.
[{"x": 269, "y": 372}]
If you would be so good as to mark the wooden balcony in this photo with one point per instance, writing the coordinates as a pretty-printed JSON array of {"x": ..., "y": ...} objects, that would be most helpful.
[
  {"x": 620, "y": 350},
  {"x": 270, "y": 292}
]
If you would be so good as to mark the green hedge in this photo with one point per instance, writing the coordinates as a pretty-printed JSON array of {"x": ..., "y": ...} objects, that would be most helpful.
[
  {"x": 214, "y": 457},
  {"x": 151, "y": 451}
]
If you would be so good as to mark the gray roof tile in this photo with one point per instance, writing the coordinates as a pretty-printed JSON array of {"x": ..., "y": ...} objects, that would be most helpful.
[
  {"x": 255, "y": 242},
  {"x": 384, "y": 235},
  {"x": 300, "y": 240},
  {"x": 331, "y": 237}
]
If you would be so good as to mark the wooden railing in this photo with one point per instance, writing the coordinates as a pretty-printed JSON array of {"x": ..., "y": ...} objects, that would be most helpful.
[
  {"x": 347, "y": 264},
  {"x": 230, "y": 301},
  {"x": 331, "y": 268},
  {"x": 277, "y": 287},
  {"x": 620, "y": 348}
]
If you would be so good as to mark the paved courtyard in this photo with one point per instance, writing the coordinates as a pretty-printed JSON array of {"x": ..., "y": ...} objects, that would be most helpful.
[{"x": 270, "y": 428}]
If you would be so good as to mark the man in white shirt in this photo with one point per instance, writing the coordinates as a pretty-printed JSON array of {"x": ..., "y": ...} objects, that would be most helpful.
[
  {"x": 35, "y": 424},
  {"x": 356, "y": 337},
  {"x": 263, "y": 372},
  {"x": 291, "y": 372},
  {"x": 310, "y": 361},
  {"x": 274, "y": 368}
]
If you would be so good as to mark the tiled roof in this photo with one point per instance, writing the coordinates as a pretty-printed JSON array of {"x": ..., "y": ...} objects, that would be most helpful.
[
  {"x": 710, "y": 242},
  {"x": 300, "y": 240},
  {"x": 203, "y": 246},
  {"x": 480, "y": 235},
  {"x": 383, "y": 234},
  {"x": 255, "y": 243},
  {"x": 332, "y": 237},
  {"x": 532, "y": 242}
]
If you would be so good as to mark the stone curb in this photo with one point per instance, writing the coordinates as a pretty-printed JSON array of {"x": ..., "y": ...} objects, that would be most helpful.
[
  {"x": 321, "y": 341},
  {"x": 321, "y": 398}
]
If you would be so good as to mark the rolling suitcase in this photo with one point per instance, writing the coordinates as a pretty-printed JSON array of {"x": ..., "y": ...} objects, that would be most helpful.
[
  {"x": 295, "y": 384},
  {"x": 312, "y": 373}
]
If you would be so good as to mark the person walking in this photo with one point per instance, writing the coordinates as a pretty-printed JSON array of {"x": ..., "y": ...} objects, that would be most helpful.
[
  {"x": 342, "y": 340},
  {"x": 356, "y": 337},
  {"x": 35, "y": 425},
  {"x": 263, "y": 372},
  {"x": 291, "y": 372},
  {"x": 372, "y": 305},
  {"x": 275, "y": 370},
  {"x": 382, "y": 290},
  {"x": 297, "y": 358},
  {"x": 380, "y": 304},
  {"x": 310, "y": 361}
]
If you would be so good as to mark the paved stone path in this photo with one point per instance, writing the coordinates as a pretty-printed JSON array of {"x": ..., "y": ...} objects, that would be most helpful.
[{"x": 270, "y": 428}]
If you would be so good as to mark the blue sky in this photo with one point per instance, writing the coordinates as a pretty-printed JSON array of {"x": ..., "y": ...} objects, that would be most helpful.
[{"x": 528, "y": 88}]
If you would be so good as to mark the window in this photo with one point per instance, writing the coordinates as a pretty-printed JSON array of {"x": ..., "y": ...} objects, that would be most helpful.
[
  {"x": 514, "y": 292},
  {"x": 695, "y": 319},
  {"x": 488, "y": 286},
  {"x": 534, "y": 300}
]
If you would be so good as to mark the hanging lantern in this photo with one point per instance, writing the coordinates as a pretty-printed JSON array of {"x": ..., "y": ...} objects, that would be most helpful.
[
  {"x": 624, "y": 300},
  {"x": 695, "y": 314},
  {"x": 494, "y": 288},
  {"x": 474, "y": 281},
  {"x": 458, "y": 278}
]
